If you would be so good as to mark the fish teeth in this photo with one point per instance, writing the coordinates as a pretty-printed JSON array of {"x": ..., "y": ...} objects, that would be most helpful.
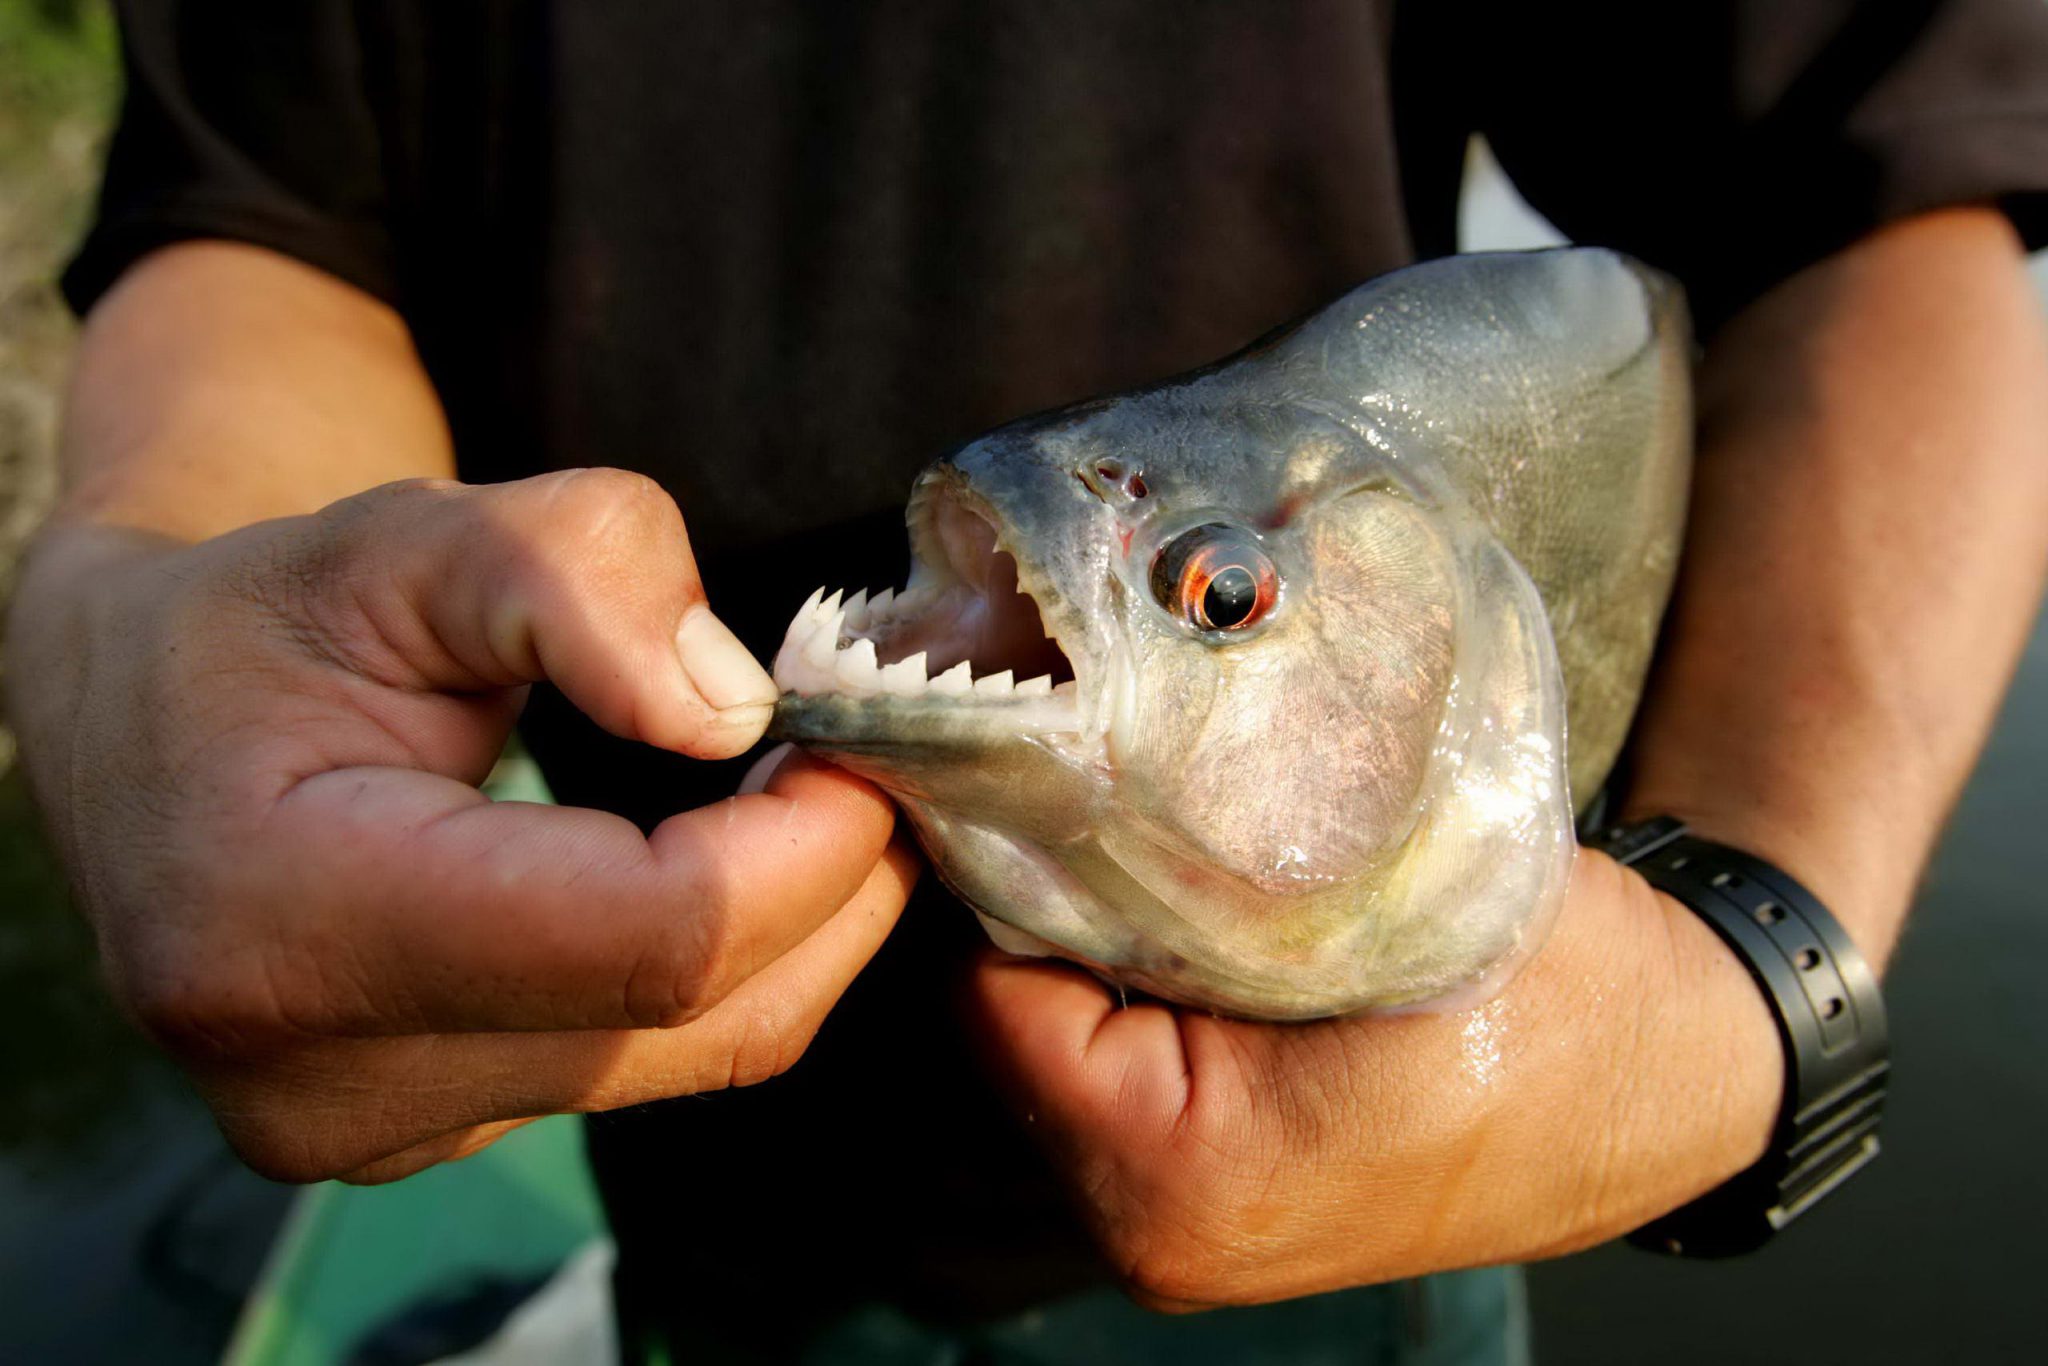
[
  {"x": 957, "y": 681},
  {"x": 818, "y": 655},
  {"x": 799, "y": 631},
  {"x": 823, "y": 645},
  {"x": 905, "y": 678},
  {"x": 856, "y": 669}
]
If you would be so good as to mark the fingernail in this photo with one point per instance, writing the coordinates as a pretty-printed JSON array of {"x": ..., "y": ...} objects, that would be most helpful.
[
  {"x": 764, "y": 769},
  {"x": 723, "y": 671}
]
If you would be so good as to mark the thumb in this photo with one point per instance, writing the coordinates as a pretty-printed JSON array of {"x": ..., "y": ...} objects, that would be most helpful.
[{"x": 583, "y": 579}]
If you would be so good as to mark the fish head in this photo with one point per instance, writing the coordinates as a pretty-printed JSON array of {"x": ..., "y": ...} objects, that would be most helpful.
[
  {"x": 1227, "y": 688},
  {"x": 1258, "y": 608}
]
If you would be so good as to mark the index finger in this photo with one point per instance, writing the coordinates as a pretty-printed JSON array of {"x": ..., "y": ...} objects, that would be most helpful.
[{"x": 415, "y": 904}]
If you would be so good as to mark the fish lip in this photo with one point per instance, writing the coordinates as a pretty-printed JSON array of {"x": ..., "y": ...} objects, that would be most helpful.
[{"x": 959, "y": 577}]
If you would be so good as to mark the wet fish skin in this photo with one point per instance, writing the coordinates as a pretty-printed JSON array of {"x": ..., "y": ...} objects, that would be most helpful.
[{"x": 1470, "y": 476}]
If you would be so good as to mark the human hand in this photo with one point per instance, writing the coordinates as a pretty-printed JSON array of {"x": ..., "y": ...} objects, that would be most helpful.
[
  {"x": 1629, "y": 1067},
  {"x": 258, "y": 757}
]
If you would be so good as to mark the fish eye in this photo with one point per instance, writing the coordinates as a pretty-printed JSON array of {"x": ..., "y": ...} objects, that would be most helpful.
[{"x": 1215, "y": 577}]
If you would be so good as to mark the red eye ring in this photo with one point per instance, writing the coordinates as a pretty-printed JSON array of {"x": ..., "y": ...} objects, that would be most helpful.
[{"x": 1216, "y": 578}]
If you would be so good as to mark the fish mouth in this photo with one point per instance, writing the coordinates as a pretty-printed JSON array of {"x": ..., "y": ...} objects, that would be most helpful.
[{"x": 973, "y": 636}]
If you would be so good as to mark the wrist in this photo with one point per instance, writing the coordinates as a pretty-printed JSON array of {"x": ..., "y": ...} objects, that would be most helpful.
[
  {"x": 1679, "y": 1072},
  {"x": 1830, "y": 1017},
  {"x": 1861, "y": 863}
]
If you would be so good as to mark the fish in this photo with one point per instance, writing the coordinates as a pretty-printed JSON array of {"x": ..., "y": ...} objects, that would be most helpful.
[{"x": 1274, "y": 689}]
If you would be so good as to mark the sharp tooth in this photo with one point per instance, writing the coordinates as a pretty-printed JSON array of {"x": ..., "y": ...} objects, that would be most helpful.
[
  {"x": 995, "y": 685},
  {"x": 831, "y": 604},
  {"x": 815, "y": 679},
  {"x": 792, "y": 674},
  {"x": 1066, "y": 689},
  {"x": 884, "y": 602},
  {"x": 957, "y": 681},
  {"x": 905, "y": 678},
  {"x": 1040, "y": 686},
  {"x": 801, "y": 624},
  {"x": 856, "y": 669},
  {"x": 821, "y": 647},
  {"x": 857, "y": 610}
]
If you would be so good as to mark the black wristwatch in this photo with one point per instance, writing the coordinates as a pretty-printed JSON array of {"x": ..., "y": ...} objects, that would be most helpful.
[{"x": 1830, "y": 1016}]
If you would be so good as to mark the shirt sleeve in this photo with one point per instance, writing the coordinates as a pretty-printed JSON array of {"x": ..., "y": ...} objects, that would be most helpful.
[
  {"x": 245, "y": 121},
  {"x": 1733, "y": 142}
]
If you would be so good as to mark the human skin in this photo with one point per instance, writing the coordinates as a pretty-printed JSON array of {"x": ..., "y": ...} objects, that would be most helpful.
[
  {"x": 1866, "y": 550},
  {"x": 254, "y": 701},
  {"x": 1834, "y": 658}
]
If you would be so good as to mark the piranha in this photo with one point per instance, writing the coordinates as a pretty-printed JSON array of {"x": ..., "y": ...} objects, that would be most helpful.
[{"x": 1251, "y": 689}]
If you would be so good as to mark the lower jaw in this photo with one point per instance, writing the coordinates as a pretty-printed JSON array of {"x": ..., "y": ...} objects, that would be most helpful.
[{"x": 827, "y": 720}]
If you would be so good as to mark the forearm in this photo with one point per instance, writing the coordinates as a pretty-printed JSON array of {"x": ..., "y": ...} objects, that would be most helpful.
[
  {"x": 220, "y": 384},
  {"x": 216, "y": 385},
  {"x": 1868, "y": 539},
  {"x": 1864, "y": 555}
]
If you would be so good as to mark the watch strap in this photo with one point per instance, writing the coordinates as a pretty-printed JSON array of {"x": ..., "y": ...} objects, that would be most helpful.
[{"x": 1831, "y": 1020}]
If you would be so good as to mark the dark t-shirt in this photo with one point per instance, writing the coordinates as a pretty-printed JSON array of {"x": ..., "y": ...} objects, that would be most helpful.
[{"x": 777, "y": 255}]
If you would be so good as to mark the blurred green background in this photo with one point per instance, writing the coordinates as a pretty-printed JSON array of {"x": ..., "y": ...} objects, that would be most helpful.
[
  {"x": 58, "y": 90},
  {"x": 127, "y": 1233}
]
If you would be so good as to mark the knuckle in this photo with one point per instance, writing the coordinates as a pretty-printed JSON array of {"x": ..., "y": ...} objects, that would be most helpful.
[
  {"x": 283, "y": 579},
  {"x": 278, "y": 1149},
  {"x": 764, "y": 1047},
  {"x": 312, "y": 583},
  {"x": 299, "y": 1114},
  {"x": 274, "y": 1153},
  {"x": 181, "y": 1006},
  {"x": 361, "y": 523},
  {"x": 199, "y": 1020},
  {"x": 607, "y": 506},
  {"x": 1170, "y": 1270},
  {"x": 595, "y": 533},
  {"x": 718, "y": 964},
  {"x": 690, "y": 970},
  {"x": 1178, "y": 1242},
  {"x": 624, "y": 528},
  {"x": 197, "y": 1003}
]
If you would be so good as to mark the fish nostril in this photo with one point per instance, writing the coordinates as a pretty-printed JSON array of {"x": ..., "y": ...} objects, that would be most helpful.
[{"x": 1107, "y": 477}]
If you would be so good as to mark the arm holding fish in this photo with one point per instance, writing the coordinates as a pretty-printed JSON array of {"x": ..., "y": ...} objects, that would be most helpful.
[
  {"x": 258, "y": 661},
  {"x": 1866, "y": 549}
]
